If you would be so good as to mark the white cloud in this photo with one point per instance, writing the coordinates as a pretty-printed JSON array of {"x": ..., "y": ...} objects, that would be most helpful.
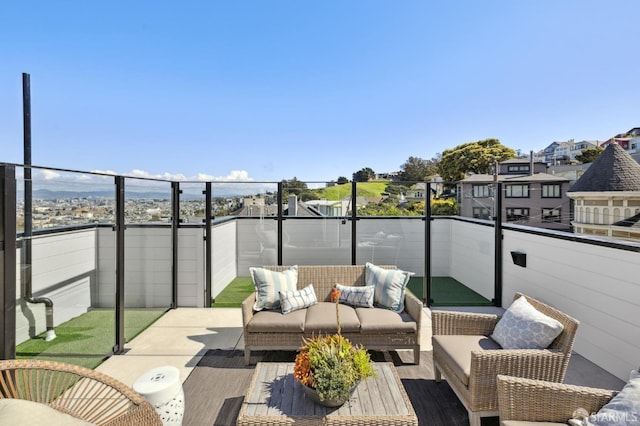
[
  {"x": 104, "y": 172},
  {"x": 234, "y": 175},
  {"x": 49, "y": 174}
]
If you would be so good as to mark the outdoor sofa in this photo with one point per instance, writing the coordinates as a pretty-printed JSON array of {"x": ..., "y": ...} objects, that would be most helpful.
[{"x": 376, "y": 328}]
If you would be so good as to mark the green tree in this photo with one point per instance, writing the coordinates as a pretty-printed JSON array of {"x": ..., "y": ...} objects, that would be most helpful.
[
  {"x": 475, "y": 157},
  {"x": 589, "y": 155},
  {"x": 297, "y": 187},
  {"x": 364, "y": 175},
  {"x": 342, "y": 180},
  {"x": 294, "y": 185},
  {"x": 444, "y": 207},
  {"x": 418, "y": 169}
]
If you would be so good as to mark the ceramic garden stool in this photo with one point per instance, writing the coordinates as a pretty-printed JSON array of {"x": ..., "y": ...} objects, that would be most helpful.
[{"x": 161, "y": 386}]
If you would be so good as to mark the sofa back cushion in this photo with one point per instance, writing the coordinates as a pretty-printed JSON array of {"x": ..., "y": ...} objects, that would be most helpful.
[{"x": 325, "y": 277}]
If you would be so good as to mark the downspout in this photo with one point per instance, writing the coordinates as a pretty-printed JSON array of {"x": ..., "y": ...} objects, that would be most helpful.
[{"x": 27, "y": 290}]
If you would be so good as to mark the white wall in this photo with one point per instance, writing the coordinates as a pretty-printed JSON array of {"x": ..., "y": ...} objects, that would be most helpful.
[
  {"x": 224, "y": 247},
  {"x": 598, "y": 285},
  {"x": 191, "y": 282},
  {"x": 63, "y": 265}
]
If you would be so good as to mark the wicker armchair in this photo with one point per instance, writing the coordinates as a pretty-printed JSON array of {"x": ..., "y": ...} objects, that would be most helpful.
[
  {"x": 526, "y": 400},
  {"x": 471, "y": 362},
  {"x": 83, "y": 393}
]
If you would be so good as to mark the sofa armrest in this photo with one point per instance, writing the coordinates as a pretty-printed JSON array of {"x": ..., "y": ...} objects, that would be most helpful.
[
  {"x": 541, "y": 364},
  {"x": 542, "y": 401},
  {"x": 247, "y": 309},
  {"x": 463, "y": 323},
  {"x": 413, "y": 306}
]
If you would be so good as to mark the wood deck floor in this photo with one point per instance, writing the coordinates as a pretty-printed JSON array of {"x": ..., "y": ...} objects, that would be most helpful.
[{"x": 215, "y": 389}]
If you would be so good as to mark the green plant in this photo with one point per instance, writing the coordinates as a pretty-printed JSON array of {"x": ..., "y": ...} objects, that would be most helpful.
[{"x": 331, "y": 364}]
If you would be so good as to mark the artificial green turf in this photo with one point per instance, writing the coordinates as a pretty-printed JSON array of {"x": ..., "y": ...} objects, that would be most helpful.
[
  {"x": 446, "y": 291},
  {"x": 88, "y": 339},
  {"x": 234, "y": 293}
]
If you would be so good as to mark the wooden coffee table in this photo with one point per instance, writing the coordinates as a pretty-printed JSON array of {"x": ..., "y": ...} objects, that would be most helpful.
[{"x": 275, "y": 397}]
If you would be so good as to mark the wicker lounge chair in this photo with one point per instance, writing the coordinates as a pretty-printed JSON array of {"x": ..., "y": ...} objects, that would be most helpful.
[
  {"x": 526, "y": 400},
  {"x": 471, "y": 363},
  {"x": 80, "y": 392}
]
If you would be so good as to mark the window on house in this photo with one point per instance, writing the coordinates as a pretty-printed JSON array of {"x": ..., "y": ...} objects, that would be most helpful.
[
  {"x": 552, "y": 215},
  {"x": 551, "y": 190},
  {"x": 515, "y": 214},
  {"x": 480, "y": 191},
  {"x": 481, "y": 213},
  {"x": 519, "y": 168},
  {"x": 517, "y": 191}
]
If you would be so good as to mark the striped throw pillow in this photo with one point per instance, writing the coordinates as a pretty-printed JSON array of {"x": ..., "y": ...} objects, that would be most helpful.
[
  {"x": 356, "y": 296},
  {"x": 389, "y": 286},
  {"x": 293, "y": 300},
  {"x": 269, "y": 283}
]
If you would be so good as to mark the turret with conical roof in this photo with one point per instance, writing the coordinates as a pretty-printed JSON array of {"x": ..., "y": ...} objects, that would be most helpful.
[{"x": 613, "y": 170}]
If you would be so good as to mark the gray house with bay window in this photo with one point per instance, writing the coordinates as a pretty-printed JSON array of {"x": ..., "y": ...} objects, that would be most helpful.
[{"x": 530, "y": 196}]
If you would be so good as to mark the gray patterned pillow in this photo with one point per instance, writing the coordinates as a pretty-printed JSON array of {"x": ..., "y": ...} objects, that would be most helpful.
[
  {"x": 356, "y": 296},
  {"x": 623, "y": 409},
  {"x": 293, "y": 300},
  {"x": 524, "y": 327}
]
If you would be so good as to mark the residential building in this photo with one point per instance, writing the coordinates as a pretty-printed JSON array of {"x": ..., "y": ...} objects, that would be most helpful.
[
  {"x": 530, "y": 196},
  {"x": 607, "y": 197},
  {"x": 559, "y": 153},
  {"x": 629, "y": 141}
]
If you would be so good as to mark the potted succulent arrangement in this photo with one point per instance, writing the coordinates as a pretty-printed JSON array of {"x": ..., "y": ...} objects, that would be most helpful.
[{"x": 330, "y": 367}]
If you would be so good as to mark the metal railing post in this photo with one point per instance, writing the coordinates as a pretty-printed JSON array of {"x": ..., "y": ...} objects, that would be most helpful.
[
  {"x": 354, "y": 217},
  {"x": 8, "y": 262},
  {"x": 280, "y": 218},
  {"x": 208, "y": 242},
  {"x": 497, "y": 292},
  {"x": 120, "y": 265},
  {"x": 426, "y": 292},
  {"x": 175, "y": 222}
]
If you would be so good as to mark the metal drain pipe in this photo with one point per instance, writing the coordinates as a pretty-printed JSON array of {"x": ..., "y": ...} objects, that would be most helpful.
[{"x": 27, "y": 290}]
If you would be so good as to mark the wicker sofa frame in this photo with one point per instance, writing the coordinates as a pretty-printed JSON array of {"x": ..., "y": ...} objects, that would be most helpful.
[
  {"x": 324, "y": 278},
  {"x": 480, "y": 396},
  {"x": 527, "y": 400},
  {"x": 80, "y": 392}
]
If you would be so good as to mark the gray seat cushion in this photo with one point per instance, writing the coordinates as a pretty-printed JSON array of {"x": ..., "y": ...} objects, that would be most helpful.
[
  {"x": 321, "y": 319},
  {"x": 456, "y": 352},
  {"x": 276, "y": 322},
  {"x": 378, "y": 321}
]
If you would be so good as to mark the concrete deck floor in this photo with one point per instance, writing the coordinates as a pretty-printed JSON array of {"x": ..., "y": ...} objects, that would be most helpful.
[{"x": 182, "y": 336}]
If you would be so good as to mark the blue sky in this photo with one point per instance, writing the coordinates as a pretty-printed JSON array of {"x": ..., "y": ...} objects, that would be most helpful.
[{"x": 269, "y": 90}]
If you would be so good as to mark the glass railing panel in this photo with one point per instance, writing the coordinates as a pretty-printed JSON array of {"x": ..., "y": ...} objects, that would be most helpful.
[
  {"x": 59, "y": 285},
  {"x": 192, "y": 203},
  {"x": 317, "y": 229},
  {"x": 255, "y": 207}
]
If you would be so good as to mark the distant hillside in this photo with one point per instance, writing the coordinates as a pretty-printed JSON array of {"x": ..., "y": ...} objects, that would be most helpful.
[{"x": 365, "y": 189}]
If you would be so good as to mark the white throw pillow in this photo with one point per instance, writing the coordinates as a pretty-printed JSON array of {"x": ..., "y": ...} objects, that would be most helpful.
[
  {"x": 524, "y": 327},
  {"x": 268, "y": 284},
  {"x": 299, "y": 299},
  {"x": 361, "y": 296},
  {"x": 20, "y": 412},
  {"x": 389, "y": 286},
  {"x": 623, "y": 409}
]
